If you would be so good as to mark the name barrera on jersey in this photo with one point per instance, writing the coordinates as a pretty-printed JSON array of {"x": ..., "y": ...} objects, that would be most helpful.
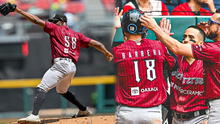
[{"x": 140, "y": 77}]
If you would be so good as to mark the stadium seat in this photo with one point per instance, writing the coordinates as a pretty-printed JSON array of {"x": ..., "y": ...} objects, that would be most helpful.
[
  {"x": 25, "y": 6},
  {"x": 2, "y": 1},
  {"x": 74, "y": 7},
  {"x": 42, "y": 4},
  {"x": 109, "y": 5}
]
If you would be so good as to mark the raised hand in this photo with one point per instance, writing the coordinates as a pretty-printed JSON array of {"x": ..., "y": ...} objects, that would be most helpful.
[
  {"x": 204, "y": 26},
  {"x": 109, "y": 56},
  {"x": 117, "y": 21},
  {"x": 148, "y": 21},
  {"x": 166, "y": 26}
]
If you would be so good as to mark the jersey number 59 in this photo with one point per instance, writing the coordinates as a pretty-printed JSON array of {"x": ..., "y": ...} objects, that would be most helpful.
[{"x": 151, "y": 73}]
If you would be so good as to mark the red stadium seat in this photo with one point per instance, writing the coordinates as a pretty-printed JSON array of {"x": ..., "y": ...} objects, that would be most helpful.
[
  {"x": 75, "y": 7},
  {"x": 2, "y": 1},
  {"x": 109, "y": 5},
  {"x": 43, "y": 4},
  {"x": 24, "y": 6}
]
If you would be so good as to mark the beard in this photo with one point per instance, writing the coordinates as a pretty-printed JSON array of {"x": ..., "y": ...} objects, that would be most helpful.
[{"x": 212, "y": 35}]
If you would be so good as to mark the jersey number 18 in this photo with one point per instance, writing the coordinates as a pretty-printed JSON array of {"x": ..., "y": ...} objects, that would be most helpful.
[{"x": 151, "y": 73}]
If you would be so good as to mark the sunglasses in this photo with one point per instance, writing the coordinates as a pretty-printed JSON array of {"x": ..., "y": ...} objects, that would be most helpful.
[{"x": 212, "y": 22}]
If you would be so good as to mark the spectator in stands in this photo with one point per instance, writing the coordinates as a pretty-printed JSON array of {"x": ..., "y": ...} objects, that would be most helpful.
[
  {"x": 152, "y": 7},
  {"x": 194, "y": 7}
]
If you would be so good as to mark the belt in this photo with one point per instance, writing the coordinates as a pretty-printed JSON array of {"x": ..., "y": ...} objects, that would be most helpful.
[
  {"x": 59, "y": 58},
  {"x": 189, "y": 115}
]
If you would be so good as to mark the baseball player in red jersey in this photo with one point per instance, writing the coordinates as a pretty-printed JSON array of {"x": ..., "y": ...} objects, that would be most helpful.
[
  {"x": 65, "y": 45},
  {"x": 187, "y": 97},
  {"x": 141, "y": 87},
  {"x": 208, "y": 52}
]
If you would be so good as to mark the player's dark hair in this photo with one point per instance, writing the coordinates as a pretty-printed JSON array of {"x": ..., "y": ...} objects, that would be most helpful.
[{"x": 199, "y": 29}]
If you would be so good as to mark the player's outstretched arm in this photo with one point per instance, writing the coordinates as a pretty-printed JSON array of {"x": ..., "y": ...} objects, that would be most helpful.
[
  {"x": 100, "y": 47},
  {"x": 6, "y": 8},
  {"x": 34, "y": 19},
  {"x": 175, "y": 46}
]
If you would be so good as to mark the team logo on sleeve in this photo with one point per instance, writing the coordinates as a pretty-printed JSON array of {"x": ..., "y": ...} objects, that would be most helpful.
[{"x": 135, "y": 91}]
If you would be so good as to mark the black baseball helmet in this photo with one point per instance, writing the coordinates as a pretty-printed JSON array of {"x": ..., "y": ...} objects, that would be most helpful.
[
  {"x": 130, "y": 22},
  {"x": 58, "y": 17}
]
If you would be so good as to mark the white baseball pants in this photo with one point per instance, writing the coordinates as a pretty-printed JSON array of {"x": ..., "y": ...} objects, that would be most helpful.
[
  {"x": 202, "y": 119},
  {"x": 136, "y": 115},
  {"x": 59, "y": 76},
  {"x": 214, "y": 111}
]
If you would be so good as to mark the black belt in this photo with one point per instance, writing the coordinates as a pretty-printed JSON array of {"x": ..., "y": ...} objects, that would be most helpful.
[{"x": 189, "y": 115}]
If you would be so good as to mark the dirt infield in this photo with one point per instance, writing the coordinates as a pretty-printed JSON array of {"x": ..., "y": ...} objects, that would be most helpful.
[{"x": 95, "y": 119}]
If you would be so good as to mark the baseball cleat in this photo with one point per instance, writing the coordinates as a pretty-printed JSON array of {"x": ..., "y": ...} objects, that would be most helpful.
[
  {"x": 31, "y": 119},
  {"x": 82, "y": 114}
]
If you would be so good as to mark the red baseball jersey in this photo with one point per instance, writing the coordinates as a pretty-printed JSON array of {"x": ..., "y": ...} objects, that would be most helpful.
[
  {"x": 187, "y": 87},
  {"x": 65, "y": 42},
  {"x": 184, "y": 9},
  {"x": 210, "y": 54},
  {"x": 140, "y": 77}
]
